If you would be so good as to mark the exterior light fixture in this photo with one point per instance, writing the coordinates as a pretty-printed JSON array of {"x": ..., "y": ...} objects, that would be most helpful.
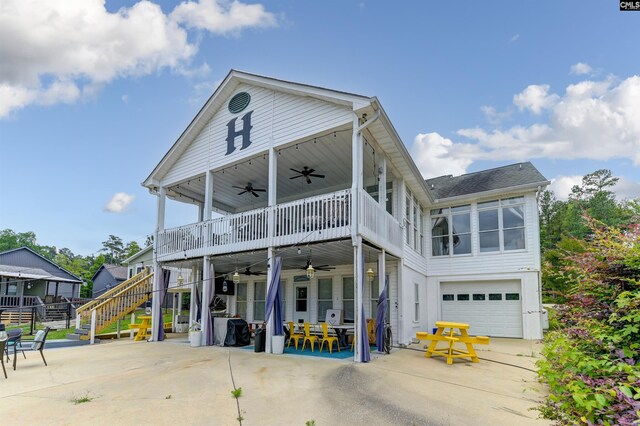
[
  {"x": 370, "y": 274},
  {"x": 180, "y": 279},
  {"x": 310, "y": 271},
  {"x": 236, "y": 277}
]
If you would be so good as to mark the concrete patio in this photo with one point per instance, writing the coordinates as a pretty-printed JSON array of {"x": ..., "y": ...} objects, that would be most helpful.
[{"x": 171, "y": 383}]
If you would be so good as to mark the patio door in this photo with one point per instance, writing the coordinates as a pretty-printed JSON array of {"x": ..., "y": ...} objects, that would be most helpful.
[{"x": 301, "y": 303}]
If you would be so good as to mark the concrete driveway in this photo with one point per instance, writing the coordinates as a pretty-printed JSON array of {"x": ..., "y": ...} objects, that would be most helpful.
[{"x": 170, "y": 383}]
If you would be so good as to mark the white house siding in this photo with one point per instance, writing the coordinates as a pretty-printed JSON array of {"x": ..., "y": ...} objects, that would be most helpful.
[
  {"x": 276, "y": 116},
  {"x": 296, "y": 117}
]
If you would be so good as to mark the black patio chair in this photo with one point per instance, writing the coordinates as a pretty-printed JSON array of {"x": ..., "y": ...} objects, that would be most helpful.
[
  {"x": 39, "y": 341},
  {"x": 3, "y": 345},
  {"x": 14, "y": 340}
]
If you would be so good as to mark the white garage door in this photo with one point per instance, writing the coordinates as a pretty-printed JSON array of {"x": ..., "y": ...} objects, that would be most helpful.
[{"x": 490, "y": 308}]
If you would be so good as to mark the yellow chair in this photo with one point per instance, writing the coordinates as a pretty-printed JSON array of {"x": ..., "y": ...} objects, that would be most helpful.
[
  {"x": 328, "y": 339},
  {"x": 293, "y": 335},
  {"x": 308, "y": 337},
  {"x": 371, "y": 330}
]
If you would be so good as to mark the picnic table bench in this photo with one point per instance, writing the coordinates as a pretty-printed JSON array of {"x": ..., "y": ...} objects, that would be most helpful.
[{"x": 446, "y": 332}]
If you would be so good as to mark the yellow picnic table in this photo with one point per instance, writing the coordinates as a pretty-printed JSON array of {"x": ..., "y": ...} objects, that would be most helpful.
[
  {"x": 451, "y": 333},
  {"x": 143, "y": 327}
]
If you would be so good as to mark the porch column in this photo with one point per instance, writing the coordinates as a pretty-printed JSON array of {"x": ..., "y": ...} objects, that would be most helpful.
[
  {"x": 192, "y": 306},
  {"x": 356, "y": 176},
  {"x": 271, "y": 253},
  {"x": 207, "y": 290},
  {"x": 382, "y": 183},
  {"x": 358, "y": 298},
  {"x": 272, "y": 195},
  {"x": 157, "y": 276},
  {"x": 382, "y": 271}
]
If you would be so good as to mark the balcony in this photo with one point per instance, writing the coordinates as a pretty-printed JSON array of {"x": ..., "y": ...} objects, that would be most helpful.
[{"x": 318, "y": 218}]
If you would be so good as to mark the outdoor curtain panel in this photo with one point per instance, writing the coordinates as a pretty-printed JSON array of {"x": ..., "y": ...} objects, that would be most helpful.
[
  {"x": 363, "y": 344},
  {"x": 166, "y": 274},
  {"x": 381, "y": 315},
  {"x": 274, "y": 299},
  {"x": 207, "y": 311}
]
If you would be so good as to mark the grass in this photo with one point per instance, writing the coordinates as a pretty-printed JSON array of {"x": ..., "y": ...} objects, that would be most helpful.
[
  {"x": 237, "y": 393},
  {"x": 124, "y": 323},
  {"x": 82, "y": 399},
  {"x": 53, "y": 334}
]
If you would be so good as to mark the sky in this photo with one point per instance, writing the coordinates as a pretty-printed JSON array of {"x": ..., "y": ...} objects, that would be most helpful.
[{"x": 94, "y": 93}]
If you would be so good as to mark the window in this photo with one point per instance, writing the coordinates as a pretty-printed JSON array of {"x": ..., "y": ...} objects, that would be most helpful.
[
  {"x": 512, "y": 296},
  {"x": 325, "y": 297},
  {"x": 407, "y": 217},
  {"x": 259, "y": 302},
  {"x": 375, "y": 294},
  {"x": 451, "y": 231},
  {"x": 416, "y": 311},
  {"x": 495, "y": 296},
  {"x": 241, "y": 300},
  {"x": 447, "y": 297},
  {"x": 347, "y": 297},
  {"x": 416, "y": 226},
  {"x": 422, "y": 225},
  {"x": 501, "y": 225},
  {"x": 373, "y": 191},
  {"x": 12, "y": 289},
  {"x": 478, "y": 297},
  {"x": 463, "y": 297}
]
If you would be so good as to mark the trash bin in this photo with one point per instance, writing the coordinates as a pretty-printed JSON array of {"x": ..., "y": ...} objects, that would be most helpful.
[{"x": 259, "y": 340}]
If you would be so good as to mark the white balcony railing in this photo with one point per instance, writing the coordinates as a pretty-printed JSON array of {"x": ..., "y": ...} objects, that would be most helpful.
[{"x": 323, "y": 217}]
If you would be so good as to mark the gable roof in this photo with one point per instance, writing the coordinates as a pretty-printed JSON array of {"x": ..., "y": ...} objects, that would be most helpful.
[
  {"x": 519, "y": 176},
  {"x": 116, "y": 271},
  {"x": 24, "y": 261},
  {"x": 138, "y": 254},
  {"x": 220, "y": 96}
]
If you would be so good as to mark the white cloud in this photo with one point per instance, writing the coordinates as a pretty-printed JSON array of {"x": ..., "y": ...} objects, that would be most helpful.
[
  {"x": 535, "y": 98},
  {"x": 63, "y": 50},
  {"x": 493, "y": 116},
  {"x": 580, "y": 69},
  {"x": 125, "y": 98},
  {"x": 437, "y": 156},
  {"x": 119, "y": 202},
  {"x": 592, "y": 120},
  {"x": 561, "y": 185},
  {"x": 514, "y": 38},
  {"x": 222, "y": 17},
  {"x": 627, "y": 189}
]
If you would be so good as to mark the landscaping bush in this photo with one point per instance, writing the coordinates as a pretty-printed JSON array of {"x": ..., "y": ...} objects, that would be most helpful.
[{"x": 591, "y": 362}]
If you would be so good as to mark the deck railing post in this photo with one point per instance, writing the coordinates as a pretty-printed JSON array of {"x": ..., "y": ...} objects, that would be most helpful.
[{"x": 93, "y": 326}]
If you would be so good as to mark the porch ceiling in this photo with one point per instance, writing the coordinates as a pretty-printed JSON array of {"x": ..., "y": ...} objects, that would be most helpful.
[{"x": 330, "y": 253}]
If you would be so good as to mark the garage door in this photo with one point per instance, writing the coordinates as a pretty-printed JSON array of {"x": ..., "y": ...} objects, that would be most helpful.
[{"x": 490, "y": 308}]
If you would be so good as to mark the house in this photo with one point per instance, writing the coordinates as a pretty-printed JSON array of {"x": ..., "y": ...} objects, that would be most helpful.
[
  {"x": 29, "y": 279},
  {"x": 321, "y": 179},
  {"x": 142, "y": 259},
  {"x": 107, "y": 276}
]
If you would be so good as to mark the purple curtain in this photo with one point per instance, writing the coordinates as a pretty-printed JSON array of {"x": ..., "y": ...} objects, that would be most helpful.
[
  {"x": 365, "y": 354},
  {"x": 207, "y": 311},
  {"x": 381, "y": 315},
  {"x": 198, "y": 305},
  {"x": 274, "y": 299},
  {"x": 166, "y": 274}
]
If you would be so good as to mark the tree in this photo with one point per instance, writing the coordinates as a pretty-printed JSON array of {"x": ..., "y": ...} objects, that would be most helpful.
[
  {"x": 131, "y": 249},
  {"x": 114, "y": 249}
]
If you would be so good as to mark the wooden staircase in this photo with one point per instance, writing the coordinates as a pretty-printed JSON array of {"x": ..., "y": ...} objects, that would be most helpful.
[{"x": 114, "y": 304}]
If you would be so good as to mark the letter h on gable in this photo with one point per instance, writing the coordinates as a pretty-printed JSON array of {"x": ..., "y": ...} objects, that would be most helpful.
[{"x": 232, "y": 133}]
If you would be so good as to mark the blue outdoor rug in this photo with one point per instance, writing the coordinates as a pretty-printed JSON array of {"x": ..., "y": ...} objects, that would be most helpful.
[{"x": 343, "y": 354}]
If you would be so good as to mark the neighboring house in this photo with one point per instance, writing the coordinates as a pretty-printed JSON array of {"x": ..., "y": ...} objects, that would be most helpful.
[
  {"x": 26, "y": 276},
  {"x": 320, "y": 177},
  {"x": 142, "y": 259},
  {"x": 106, "y": 277}
]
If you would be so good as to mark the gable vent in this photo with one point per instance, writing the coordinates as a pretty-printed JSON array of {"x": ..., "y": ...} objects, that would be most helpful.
[{"x": 239, "y": 102}]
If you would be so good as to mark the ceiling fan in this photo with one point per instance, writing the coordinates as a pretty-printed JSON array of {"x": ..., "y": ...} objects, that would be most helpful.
[
  {"x": 250, "y": 189},
  {"x": 317, "y": 268},
  {"x": 248, "y": 271},
  {"x": 306, "y": 172}
]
